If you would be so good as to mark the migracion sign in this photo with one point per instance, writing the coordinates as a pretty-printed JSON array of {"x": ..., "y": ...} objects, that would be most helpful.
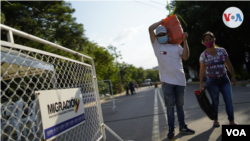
[{"x": 61, "y": 110}]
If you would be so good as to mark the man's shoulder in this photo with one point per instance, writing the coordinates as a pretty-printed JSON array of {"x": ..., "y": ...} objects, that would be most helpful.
[
  {"x": 155, "y": 43},
  {"x": 174, "y": 45}
]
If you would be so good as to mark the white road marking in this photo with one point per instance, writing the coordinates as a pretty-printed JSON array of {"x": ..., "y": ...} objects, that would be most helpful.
[
  {"x": 163, "y": 106},
  {"x": 155, "y": 132}
]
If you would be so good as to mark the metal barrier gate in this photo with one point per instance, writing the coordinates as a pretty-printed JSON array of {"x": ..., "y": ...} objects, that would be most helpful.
[
  {"x": 105, "y": 87},
  {"x": 25, "y": 70}
]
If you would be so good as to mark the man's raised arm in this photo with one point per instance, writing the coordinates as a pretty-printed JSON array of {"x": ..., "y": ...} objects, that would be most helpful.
[{"x": 152, "y": 28}]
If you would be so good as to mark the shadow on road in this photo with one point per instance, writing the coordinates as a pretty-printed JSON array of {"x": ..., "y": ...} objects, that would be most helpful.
[
  {"x": 219, "y": 138},
  {"x": 203, "y": 136}
]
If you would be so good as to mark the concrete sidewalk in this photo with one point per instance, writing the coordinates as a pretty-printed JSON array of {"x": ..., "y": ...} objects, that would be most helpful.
[{"x": 103, "y": 99}]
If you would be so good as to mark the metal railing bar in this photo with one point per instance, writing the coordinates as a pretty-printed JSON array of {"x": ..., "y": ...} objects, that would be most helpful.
[
  {"x": 17, "y": 46},
  {"x": 42, "y": 41},
  {"x": 112, "y": 132}
]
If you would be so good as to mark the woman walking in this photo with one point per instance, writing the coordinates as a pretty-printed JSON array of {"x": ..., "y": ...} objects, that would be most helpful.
[{"x": 213, "y": 61}]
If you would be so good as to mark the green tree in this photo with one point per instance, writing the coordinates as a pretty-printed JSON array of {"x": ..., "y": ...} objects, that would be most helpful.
[
  {"x": 141, "y": 75},
  {"x": 153, "y": 75},
  {"x": 50, "y": 20},
  {"x": 105, "y": 68},
  {"x": 2, "y": 18},
  {"x": 128, "y": 73}
]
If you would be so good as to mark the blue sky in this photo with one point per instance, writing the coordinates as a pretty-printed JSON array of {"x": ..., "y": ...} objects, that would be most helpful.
[{"x": 122, "y": 22}]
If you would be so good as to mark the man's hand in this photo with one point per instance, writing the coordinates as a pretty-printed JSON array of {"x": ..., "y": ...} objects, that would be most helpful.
[
  {"x": 185, "y": 36},
  {"x": 162, "y": 21}
]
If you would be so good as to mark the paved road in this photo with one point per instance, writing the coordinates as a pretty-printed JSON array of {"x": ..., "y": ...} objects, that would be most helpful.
[{"x": 142, "y": 117}]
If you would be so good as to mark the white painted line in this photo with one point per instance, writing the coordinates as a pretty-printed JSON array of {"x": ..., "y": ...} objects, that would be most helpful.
[
  {"x": 163, "y": 106},
  {"x": 155, "y": 132}
]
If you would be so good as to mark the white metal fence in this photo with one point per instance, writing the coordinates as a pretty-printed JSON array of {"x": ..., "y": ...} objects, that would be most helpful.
[{"x": 25, "y": 70}]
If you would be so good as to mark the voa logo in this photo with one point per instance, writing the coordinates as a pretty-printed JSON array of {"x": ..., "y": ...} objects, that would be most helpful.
[
  {"x": 233, "y": 17},
  {"x": 236, "y": 132}
]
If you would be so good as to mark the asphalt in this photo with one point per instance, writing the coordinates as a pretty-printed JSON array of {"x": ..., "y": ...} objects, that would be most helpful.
[
  {"x": 238, "y": 83},
  {"x": 131, "y": 122}
]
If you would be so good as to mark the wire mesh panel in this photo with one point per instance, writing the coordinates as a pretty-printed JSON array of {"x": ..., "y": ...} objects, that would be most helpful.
[{"x": 25, "y": 70}]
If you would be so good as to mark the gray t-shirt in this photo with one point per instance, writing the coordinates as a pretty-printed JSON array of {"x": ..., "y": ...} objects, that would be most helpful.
[{"x": 215, "y": 65}]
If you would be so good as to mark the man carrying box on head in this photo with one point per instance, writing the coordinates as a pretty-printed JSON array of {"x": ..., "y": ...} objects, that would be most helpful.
[{"x": 171, "y": 74}]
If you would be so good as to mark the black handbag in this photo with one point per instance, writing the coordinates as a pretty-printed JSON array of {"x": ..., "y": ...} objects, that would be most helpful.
[{"x": 204, "y": 103}]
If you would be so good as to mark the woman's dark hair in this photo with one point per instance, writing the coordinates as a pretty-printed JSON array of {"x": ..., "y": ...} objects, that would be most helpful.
[{"x": 207, "y": 33}]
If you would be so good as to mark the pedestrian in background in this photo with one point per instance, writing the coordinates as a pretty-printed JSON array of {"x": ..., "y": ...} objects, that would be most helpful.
[
  {"x": 131, "y": 86},
  {"x": 213, "y": 61},
  {"x": 127, "y": 89}
]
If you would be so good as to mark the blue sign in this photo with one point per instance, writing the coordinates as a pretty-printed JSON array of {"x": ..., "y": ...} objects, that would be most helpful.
[{"x": 61, "y": 127}]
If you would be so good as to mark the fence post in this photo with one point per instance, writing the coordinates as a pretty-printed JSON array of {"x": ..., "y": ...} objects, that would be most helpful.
[{"x": 10, "y": 36}]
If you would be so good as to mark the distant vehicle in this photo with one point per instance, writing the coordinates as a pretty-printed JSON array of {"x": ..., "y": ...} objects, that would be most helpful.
[{"x": 147, "y": 81}]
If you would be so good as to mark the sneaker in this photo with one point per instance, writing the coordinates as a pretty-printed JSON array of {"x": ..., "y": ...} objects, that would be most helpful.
[
  {"x": 216, "y": 124},
  {"x": 171, "y": 133},
  {"x": 234, "y": 123},
  {"x": 186, "y": 130}
]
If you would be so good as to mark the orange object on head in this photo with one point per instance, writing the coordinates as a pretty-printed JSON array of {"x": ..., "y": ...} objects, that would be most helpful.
[{"x": 173, "y": 26}]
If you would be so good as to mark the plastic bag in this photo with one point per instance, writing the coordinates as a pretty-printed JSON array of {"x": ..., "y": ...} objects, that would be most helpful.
[
  {"x": 205, "y": 104},
  {"x": 173, "y": 26}
]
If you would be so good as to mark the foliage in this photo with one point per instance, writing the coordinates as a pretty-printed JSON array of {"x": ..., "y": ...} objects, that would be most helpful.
[
  {"x": 2, "y": 18},
  {"x": 50, "y": 20},
  {"x": 153, "y": 75},
  {"x": 53, "y": 21}
]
